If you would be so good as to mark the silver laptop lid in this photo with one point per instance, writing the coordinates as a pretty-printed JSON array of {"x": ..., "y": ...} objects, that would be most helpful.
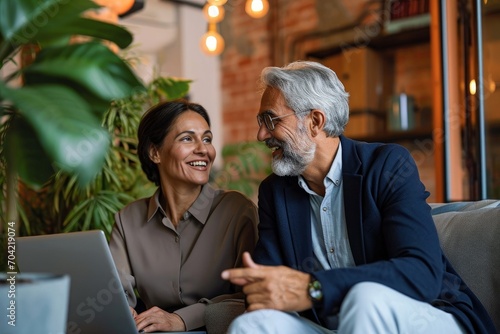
[{"x": 97, "y": 301}]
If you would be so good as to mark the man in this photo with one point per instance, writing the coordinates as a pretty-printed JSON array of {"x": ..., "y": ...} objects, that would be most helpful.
[{"x": 346, "y": 238}]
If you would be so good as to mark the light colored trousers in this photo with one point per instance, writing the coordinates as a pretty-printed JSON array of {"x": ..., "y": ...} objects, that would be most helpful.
[{"x": 368, "y": 308}]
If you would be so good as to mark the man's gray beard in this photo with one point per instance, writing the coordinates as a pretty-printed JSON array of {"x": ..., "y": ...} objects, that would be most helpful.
[{"x": 294, "y": 160}]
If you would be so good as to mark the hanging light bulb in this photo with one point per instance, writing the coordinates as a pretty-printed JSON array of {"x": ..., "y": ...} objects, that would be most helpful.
[
  {"x": 257, "y": 8},
  {"x": 212, "y": 42},
  {"x": 472, "y": 87},
  {"x": 213, "y": 13},
  {"x": 217, "y": 2},
  {"x": 491, "y": 84}
]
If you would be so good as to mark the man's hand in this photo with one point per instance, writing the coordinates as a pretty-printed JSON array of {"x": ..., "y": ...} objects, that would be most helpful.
[
  {"x": 271, "y": 287},
  {"x": 155, "y": 319}
]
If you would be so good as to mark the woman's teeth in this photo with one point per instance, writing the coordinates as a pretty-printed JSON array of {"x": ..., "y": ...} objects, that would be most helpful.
[{"x": 198, "y": 163}]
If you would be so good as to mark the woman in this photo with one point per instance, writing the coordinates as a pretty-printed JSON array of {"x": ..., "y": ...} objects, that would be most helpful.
[{"x": 171, "y": 248}]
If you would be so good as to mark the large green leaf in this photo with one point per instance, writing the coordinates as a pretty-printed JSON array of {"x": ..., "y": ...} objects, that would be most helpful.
[
  {"x": 26, "y": 154},
  {"x": 72, "y": 137},
  {"x": 45, "y": 21},
  {"x": 23, "y": 21},
  {"x": 87, "y": 27},
  {"x": 90, "y": 65},
  {"x": 97, "y": 104}
]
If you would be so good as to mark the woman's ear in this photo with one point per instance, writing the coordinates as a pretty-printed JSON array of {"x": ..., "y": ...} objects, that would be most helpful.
[
  {"x": 154, "y": 155},
  {"x": 318, "y": 120}
]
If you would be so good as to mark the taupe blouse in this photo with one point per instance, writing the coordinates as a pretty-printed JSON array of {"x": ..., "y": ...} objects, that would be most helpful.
[{"x": 179, "y": 269}]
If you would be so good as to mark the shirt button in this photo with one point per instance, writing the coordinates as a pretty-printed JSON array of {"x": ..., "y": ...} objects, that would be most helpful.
[
  {"x": 176, "y": 239},
  {"x": 332, "y": 250},
  {"x": 325, "y": 208}
]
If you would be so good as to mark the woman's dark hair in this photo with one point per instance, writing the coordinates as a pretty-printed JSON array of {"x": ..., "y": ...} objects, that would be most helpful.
[{"x": 155, "y": 125}]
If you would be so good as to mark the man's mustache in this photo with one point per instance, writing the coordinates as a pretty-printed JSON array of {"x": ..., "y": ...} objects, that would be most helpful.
[{"x": 272, "y": 142}]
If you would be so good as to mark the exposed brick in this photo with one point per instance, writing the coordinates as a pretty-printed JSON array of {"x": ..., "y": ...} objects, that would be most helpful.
[{"x": 252, "y": 44}]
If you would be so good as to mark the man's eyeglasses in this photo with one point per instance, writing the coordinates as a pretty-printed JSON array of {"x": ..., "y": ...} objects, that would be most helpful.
[{"x": 268, "y": 120}]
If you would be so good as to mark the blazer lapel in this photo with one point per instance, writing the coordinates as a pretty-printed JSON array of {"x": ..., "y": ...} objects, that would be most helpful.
[
  {"x": 299, "y": 223},
  {"x": 352, "y": 199}
]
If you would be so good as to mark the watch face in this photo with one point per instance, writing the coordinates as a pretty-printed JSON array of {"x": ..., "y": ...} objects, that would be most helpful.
[{"x": 315, "y": 292}]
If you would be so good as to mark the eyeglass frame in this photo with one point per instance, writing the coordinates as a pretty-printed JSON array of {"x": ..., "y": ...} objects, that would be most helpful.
[{"x": 267, "y": 115}]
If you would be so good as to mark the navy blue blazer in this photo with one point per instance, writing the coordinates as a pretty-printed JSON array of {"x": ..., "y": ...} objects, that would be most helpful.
[{"x": 391, "y": 232}]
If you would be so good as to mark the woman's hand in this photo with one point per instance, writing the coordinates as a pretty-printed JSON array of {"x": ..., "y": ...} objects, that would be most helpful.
[
  {"x": 155, "y": 319},
  {"x": 133, "y": 311}
]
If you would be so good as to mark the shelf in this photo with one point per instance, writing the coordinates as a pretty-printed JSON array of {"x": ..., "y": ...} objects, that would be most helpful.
[
  {"x": 381, "y": 42},
  {"x": 415, "y": 134},
  {"x": 490, "y": 9},
  {"x": 397, "y": 136},
  {"x": 493, "y": 128}
]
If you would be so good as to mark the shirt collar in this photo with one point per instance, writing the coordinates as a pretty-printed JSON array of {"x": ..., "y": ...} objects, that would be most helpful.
[
  {"x": 334, "y": 175},
  {"x": 200, "y": 209},
  {"x": 203, "y": 204}
]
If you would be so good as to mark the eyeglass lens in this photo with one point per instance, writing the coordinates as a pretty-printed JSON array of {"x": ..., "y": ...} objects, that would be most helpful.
[{"x": 267, "y": 120}]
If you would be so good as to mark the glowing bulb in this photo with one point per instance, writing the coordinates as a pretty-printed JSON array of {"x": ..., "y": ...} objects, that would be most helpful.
[
  {"x": 217, "y": 2},
  {"x": 213, "y": 13},
  {"x": 212, "y": 43},
  {"x": 472, "y": 87},
  {"x": 257, "y": 8},
  {"x": 492, "y": 86}
]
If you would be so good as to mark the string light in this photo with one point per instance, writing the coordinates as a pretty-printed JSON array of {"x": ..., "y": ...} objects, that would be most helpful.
[
  {"x": 212, "y": 42},
  {"x": 257, "y": 8},
  {"x": 472, "y": 87},
  {"x": 213, "y": 13}
]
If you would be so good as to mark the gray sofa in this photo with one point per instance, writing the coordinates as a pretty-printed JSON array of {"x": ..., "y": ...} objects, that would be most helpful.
[{"x": 469, "y": 233}]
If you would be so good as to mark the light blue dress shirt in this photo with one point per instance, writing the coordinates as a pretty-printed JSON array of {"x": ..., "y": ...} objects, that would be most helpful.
[{"x": 328, "y": 226}]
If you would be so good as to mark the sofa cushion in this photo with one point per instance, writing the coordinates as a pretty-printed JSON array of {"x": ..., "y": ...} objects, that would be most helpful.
[{"x": 469, "y": 233}]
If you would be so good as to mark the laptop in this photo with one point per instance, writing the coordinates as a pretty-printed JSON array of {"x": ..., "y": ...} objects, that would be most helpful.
[{"x": 97, "y": 300}]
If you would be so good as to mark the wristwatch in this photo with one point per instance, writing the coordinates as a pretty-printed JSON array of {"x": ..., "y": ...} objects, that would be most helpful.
[{"x": 314, "y": 290}]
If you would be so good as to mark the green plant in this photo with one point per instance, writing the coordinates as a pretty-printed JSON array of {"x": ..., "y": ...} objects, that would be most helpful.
[
  {"x": 52, "y": 106},
  {"x": 245, "y": 166},
  {"x": 64, "y": 206}
]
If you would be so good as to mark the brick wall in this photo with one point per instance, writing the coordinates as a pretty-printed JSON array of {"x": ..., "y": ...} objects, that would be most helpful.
[
  {"x": 251, "y": 45},
  {"x": 287, "y": 33}
]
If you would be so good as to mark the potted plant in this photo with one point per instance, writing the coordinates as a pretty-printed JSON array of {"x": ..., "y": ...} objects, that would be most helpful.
[
  {"x": 51, "y": 120},
  {"x": 62, "y": 205}
]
